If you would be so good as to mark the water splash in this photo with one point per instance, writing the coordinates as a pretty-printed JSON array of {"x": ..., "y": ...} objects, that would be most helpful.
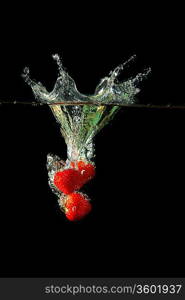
[{"x": 79, "y": 124}]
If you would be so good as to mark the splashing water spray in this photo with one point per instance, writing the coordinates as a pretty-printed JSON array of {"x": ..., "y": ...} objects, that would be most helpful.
[{"x": 80, "y": 118}]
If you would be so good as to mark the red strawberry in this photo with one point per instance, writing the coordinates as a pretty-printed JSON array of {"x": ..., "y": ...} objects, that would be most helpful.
[
  {"x": 68, "y": 181},
  {"x": 87, "y": 170},
  {"x": 77, "y": 206}
]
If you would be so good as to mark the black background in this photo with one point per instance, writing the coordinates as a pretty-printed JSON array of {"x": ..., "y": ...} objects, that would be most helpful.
[{"x": 136, "y": 227}]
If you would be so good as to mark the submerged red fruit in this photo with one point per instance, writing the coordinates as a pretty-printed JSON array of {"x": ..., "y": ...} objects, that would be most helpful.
[
  {"x": 87, "y": 170},
  {"x": 72, "y": 179},
  {"x": 68, "y": 181},
  {"x": 77, "y": 206}
]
